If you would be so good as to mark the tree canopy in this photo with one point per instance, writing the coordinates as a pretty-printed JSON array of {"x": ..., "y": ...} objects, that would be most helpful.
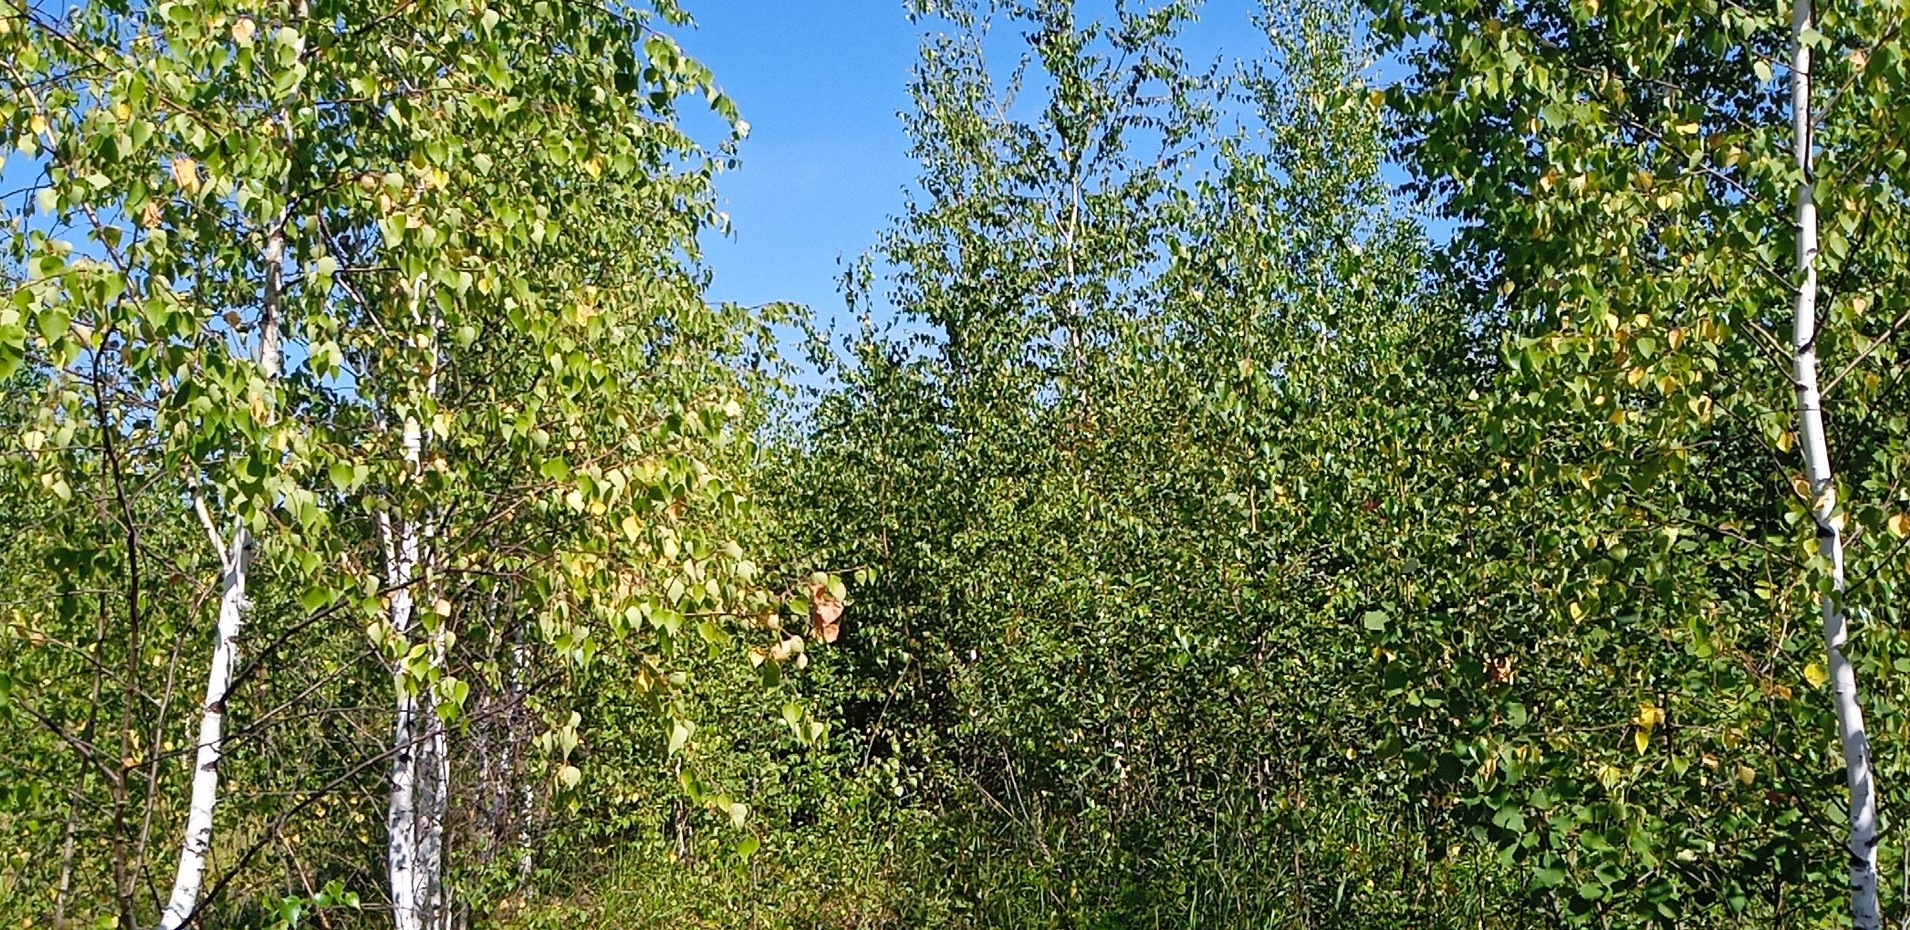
[{"x": 1441, "y": 467}]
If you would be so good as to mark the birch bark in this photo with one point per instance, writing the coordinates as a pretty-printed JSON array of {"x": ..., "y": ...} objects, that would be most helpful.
[
  {"x": 420, "y": 768},
  {"x": 1862, "y": 843},
  {"x": 402, "y": 555},
  {"x": 520, "y": 676},
  {"x": 189, "y": 878},
  {"x": 434, "y": 780}
]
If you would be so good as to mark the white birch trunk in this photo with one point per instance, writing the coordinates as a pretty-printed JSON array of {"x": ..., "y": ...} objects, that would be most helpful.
[
  {"x": 520, "y": 664},
  {"x": 410, "y": 905},
  {"x": 1862, "y": 846},
  {"x": 434, "y": 784},
  {"x": 401, "y": 818},
  {"x": 189, "y": 878},
  {"x": 420, "y": 773},
  {"x": 420, "y": 779}
]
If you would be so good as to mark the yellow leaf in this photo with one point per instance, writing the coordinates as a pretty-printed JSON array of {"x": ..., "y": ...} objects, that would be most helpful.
[
  {"x": 1577, "y": 611},
  {"x": 37, "y": 124},
  {"x": 1746, "y": 774},
  {"x": 1689, "y": 129},
  {"x": 243, "y": 30},
  {"x": 1816, "y": 674},
  {"x": 185, "y": 173},
  {"x": 442, "y": 608},
  {"x": 631, "y": 528},
  {"x": 1899, "y": 525},
  {"x": 1641, "y": 738},
  {"x": 1648, "y": 716}
]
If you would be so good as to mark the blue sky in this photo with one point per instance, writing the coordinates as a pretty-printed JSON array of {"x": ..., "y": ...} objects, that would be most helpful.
[
  {"x": 825, "y": 162},
  {"x": 821, "y": 83}
]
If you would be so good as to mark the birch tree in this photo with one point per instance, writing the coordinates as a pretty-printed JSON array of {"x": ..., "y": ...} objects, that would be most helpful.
[
  {"x": 179, "y": 253},
  {"x": 184, "y": 899},
  {"x": 1148, "y": 423},
  {"x": 1624, "y": 180},
  {"x": 500, "y": 363},
  {"x": 1814, "y": 445},
  {"x": 540, "y": 414}
]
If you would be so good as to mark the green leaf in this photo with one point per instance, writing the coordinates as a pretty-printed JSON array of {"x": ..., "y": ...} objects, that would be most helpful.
[
  {"x": 314, "y": 598},
  {"x": 54, "y": 323},
  {"x": 680, "y": 731}
]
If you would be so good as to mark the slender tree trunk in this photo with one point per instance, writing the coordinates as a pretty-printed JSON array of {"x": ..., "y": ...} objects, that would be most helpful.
[
  {"x": 401, "y": 818},
  {"x": 1830, "y": 542},
  {"x": 65, "y": 884},
  {"x": 420, "y": 764},
  {"x": 520, "y": 676},
  {"x": 190, "y": 876},
  {"x": 205, "y": 770},
  {"x": 124, "y": 872},
  {"x": 434, "y": 796},
  {"x": 496, "y": 740}
]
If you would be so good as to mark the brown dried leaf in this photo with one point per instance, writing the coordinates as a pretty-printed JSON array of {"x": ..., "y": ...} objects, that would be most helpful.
[{"x": 825, "y": 614}]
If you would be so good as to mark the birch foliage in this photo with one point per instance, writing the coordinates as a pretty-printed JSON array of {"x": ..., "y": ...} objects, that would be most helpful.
[
  {"x": 1622, "y": 180},
  {"x": 474, "y": 230},
  {"x": 1117, "y": 468}
]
